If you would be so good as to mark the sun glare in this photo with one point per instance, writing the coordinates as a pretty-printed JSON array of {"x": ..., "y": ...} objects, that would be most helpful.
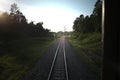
[
  {"x": 1, "y": 13},
  {"x": 52, "y": 17}
]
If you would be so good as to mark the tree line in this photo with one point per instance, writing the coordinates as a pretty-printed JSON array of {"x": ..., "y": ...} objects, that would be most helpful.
[
  {"x": 87, "y": 24},
  {"x": 14, "y": 26}
]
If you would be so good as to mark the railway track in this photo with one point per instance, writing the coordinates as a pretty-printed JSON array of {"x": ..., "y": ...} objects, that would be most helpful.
[{"x": 58, "y": 69}]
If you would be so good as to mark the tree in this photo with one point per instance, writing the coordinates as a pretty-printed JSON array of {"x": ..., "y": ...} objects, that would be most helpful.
[
  {"x": 97, "y": 13},
  {"x": 14, "y": 26},
  {"x": 14, "y": 9},
  {"x": 89, "y": 24},
  {"x": 17, "y": 14},
  {"x": 78, "y": 23}
]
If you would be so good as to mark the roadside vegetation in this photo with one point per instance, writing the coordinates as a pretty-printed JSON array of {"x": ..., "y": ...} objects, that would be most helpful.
[
  {"x": 60, "y": 34},
  {"x": 19, "y": 56},
  {"x": 89, "y": 48},
  {"x": 86, "y": 39},
  {"x": 21, "y": 44}
]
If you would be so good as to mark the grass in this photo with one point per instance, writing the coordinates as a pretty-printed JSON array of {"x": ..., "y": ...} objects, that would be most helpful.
[
  {"x": 89, "y": 48},
  {"x": 19, "y": 56}
]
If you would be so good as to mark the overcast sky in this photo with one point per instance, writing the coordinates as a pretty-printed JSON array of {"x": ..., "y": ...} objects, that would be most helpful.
[{"x": 55, "y": 14}]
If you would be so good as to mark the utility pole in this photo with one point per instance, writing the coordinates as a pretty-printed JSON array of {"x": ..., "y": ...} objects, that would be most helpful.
[
  {"x": 64, "y": 29},
  {"x": 103, "y": 19}
]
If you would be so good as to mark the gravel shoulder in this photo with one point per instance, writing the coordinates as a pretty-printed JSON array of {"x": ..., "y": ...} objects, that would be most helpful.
[{"x": 76, "y": 68}]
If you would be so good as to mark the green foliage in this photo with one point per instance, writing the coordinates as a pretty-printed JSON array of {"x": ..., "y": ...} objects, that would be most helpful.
[
  {"x": 20, "y": 55},
  {"x": 92, "y": 23},
  {"x": 90, "y": 49},
  {"x": 10, "y": 69},
  {"x": 86, "y": 39}
]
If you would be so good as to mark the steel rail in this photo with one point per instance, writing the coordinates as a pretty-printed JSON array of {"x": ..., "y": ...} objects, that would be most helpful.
[
  {"x": 53, "y": 62},
  {"x": 66, "y": 70}
]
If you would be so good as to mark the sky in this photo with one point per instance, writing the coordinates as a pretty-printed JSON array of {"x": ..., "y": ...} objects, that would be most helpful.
[{"x": 55, "y": 14}]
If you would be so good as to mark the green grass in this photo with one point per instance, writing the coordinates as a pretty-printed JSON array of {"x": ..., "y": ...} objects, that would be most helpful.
[
  {"x": 89, "y": 48},
  {"x": 20, "y": 55}
]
